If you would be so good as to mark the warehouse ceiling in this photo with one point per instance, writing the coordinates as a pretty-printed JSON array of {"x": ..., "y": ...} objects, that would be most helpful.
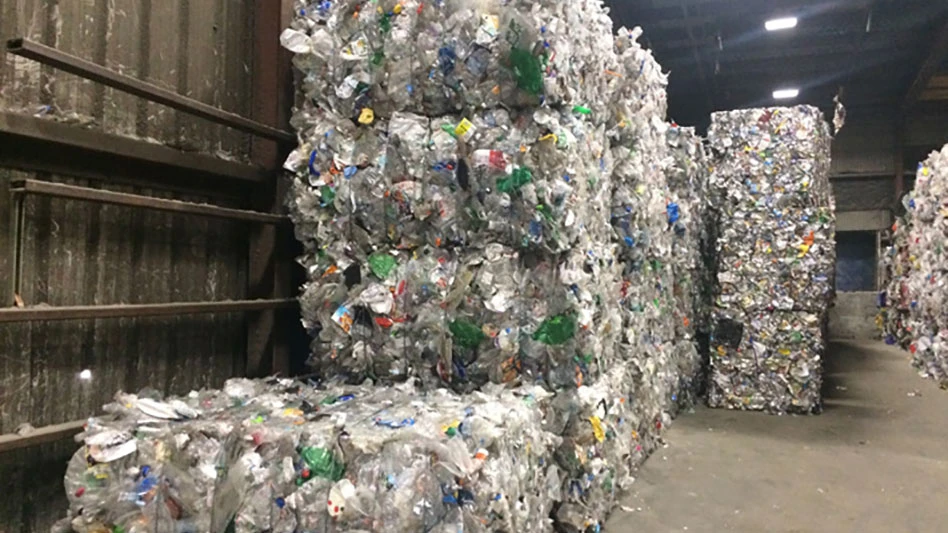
[{"x": 881, "y": 53}]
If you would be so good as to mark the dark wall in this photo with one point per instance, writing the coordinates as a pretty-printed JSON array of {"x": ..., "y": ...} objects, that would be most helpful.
[
  {"x": 863, "y": 194},
  {"x": 856, "y": 261},
  {"x": 200, "y": 48},
  {"x": 66, "y": 252}
]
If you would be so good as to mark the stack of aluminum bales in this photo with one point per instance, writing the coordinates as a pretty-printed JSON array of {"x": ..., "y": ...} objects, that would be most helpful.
[
  {"x": 688, "y": 213},
  {"x": 925, "y": 276},
  {"x": 776, "y": 258},
  {"x": 480, "y": 192}
]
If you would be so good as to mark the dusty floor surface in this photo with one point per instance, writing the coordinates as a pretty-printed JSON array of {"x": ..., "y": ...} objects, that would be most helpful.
[{"x": 876, "y": 460}]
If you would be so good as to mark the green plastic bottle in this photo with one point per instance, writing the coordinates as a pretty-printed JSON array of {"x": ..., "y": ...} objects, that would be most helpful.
[
  {"x": 466, "y": 334},
  {"x": 382, "y": 264},
  {"x": 322, "y": 463},
  {"x": 556, "y": 330}
]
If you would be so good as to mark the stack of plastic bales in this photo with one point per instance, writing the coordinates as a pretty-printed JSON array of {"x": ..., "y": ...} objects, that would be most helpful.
[
  {"x": 500, "y": 145},
  {"x": 776, "y": 258},
  {"x": 283, "y": 456},
  {"x": 925, "y": 269},
  {"x": 488, "y": 237},
  {"x": 449, "y": 238},
  {"x": 894, "y": 302},
  {"x": 688, "y": 213}
]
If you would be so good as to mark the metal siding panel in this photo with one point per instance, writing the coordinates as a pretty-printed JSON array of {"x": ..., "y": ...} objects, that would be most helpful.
[
  {"x": 113, "y": 357},
  {"x": 152, "y": 279},
  {"x": 235, "y": 58},
  {"x": 206, "y": 59},
  {"x": 163, "y": 27},
  {"x": 15, "y": 343},
  {"x": 32, "y": 503},
  {"x": 82, "y": 253},
  {"x": 79, "y": 28},
  {"x": 123, "y": 54},
  {"x": 188, "y": 274},
  {"x": 55, "y": 272},
  {"x": 20, "y": 78}
]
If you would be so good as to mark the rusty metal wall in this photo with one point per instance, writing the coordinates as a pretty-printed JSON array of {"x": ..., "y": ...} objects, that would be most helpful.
[
  {"x": 199, "y": 48},
  {"x": 81, "y": 253}
]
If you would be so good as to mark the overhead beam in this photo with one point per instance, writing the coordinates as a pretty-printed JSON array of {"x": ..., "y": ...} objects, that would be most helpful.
[
  {"x": 829, "y": 67},
  {"x": 929, "y": 67},
  {"x": 813, "y": 49},
  {"x": 835, "y": 4}
]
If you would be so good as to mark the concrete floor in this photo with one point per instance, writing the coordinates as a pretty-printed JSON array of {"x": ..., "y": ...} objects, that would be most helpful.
[{"x": 876, "y": 460}]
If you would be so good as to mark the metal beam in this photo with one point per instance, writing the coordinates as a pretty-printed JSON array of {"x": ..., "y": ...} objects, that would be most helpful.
[
  {"x": 793, "y": 5},
  {"x": 813, "y": 50},
  {"x": 41, "y": 435},
  {"x": 61, "y": 190},
  {"x": 97, "y": 73},
  {"x": 56, "y": 134},
  {"x": 88, "y": 312},
  {"x": 929, "y": 67},
  {"x": 269, "y": 261}
]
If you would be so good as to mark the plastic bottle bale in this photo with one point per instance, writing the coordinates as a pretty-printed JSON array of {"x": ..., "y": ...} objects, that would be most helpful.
[
  {"x": 437, "y": 58},
  {"x": 919, "y": 288},
  {"x": 895, "y": 266},
  {"x": 688, "y": 215},
  {"x": 776, "y": 258},
  {"x": 291, "y": 457},
  {"x": 490, "y": 173},
  {"x": 602, "y": 444}
]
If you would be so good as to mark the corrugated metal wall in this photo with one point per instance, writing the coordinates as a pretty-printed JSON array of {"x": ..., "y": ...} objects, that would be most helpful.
[
  {"x": 81, "y": 253},
  {"x": 200, "y": 48}
]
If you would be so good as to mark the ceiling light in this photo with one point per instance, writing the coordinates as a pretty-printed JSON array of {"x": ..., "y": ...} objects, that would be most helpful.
[
  {"x": 784, "y": 94},
  {"x": 781, "y": 24}
]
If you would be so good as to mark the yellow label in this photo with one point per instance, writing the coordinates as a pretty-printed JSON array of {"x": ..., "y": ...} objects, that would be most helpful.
[
  {"x": 465, "y": 130},
  {"x": 597, "y": 428},
  {"x": 367, "y": 116},
  {"x": 784, "y": 351}
]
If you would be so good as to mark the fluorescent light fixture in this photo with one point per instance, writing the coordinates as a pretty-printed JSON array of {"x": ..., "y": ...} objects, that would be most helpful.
[
  {"x": 781, "y": 24},
  {"x": 785, "y": 94}
]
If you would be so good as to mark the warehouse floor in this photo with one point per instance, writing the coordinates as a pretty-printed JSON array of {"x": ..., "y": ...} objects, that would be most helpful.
[{"x": 875, "y": 460}]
